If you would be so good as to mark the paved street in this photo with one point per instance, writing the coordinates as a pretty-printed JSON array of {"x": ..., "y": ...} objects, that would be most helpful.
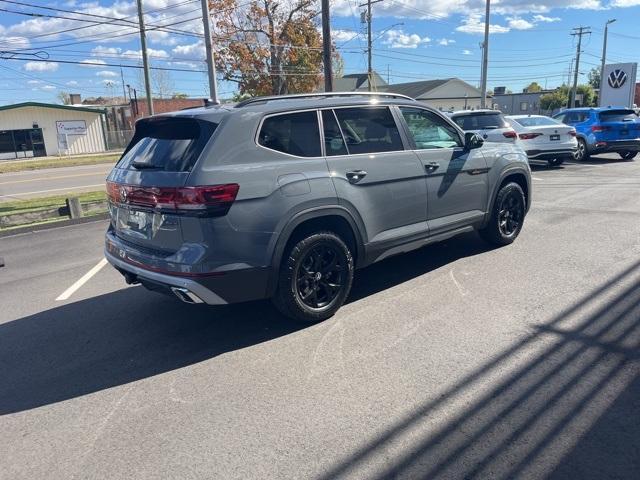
[
  {"x": 53, "y": 181},
  {"x": 455, "y": 361}
]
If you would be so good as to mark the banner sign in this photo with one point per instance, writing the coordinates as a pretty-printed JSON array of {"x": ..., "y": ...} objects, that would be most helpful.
[
  {"x": 71, "y": 127},
  {"x": 618, "y": 87}
]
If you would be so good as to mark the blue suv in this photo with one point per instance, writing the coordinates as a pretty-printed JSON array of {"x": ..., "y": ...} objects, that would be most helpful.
[{"x": 603, "y": 130}]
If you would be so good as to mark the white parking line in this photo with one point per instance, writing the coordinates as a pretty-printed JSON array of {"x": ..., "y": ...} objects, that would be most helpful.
[
  {"x": 84, "y": 279},
  {"x": 537, "y": 178}
]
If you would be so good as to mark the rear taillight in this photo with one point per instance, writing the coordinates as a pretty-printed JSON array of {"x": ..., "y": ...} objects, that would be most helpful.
[
  {"x": 599, "y": 128},
  {"x": 214, "y": 200},
  {"x": 510, "y": 134},
  {"x": 573, "y": 133},
  {"x": 529, "y": 136}
]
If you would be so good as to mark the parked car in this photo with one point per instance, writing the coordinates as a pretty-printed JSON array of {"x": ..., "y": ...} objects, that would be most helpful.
[
  {"x": 490, "y": 124},
  {"x": 545, "y": 139},
  {"x": 603, "y": 130},
  {"x": 284, "y": 197}
]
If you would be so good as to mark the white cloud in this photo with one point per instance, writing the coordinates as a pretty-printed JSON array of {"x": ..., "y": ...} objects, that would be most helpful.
[
  {"x": 400, "y": 39},
  {"x": 543, "y": 19},
  {"x": 34, "y": 82},
  {"x": 339, "y": 35},
  {"x": 189, "y": 51},
  {"x": 467, "y": 52},
  {"x": 40, "y": 66},
  {"x": 474, "y": 23},
  {"x": 72, "y": 83},
  {"x": 48, "y": 88},
  {"x": 151, "y": 53},
  {"x": 102, "y": 50},
  {"x": 14, "y": 42},
  {"x": 92, "y": 63},
  {"x": 517, "y": 23},
  {"x": 106, "y": 73},
  {"x": 446, "y": 41}
]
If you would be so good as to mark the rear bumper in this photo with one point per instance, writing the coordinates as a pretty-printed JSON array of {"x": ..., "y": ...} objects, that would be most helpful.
[
  {"x": 602, "y": 146},
  {"x": 219, "y": 288},
  {"x": 551, "y": 154}
]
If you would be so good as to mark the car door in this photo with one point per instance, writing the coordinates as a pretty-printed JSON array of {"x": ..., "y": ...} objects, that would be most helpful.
[
  {"x": 373, "y": 173},
  {"x": 456, "y": 178}
]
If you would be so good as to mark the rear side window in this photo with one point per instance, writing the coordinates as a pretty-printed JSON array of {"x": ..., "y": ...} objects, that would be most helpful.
[
  {"x": 293, "y": 133},
  {"x": 481, "y": 121},
  {"x": 369, "y": 130},
  {"x": 169, "y": 144},
  {"x": 618, "y": 116}
]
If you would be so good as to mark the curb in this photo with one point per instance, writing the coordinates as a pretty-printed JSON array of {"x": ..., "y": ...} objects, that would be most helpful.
[{"x": 49, "y": 226}]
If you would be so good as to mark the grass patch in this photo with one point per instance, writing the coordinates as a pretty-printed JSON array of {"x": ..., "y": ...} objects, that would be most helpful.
[
  {"x": 35, "y": 204},
  {"x": 8, "y": 166}
]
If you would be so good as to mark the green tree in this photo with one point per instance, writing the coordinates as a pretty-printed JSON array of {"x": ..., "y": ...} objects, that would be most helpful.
[
  {"x": 594, "y": 77},
  {"x": 179, "y": 96},
  {"x": 533, "y": 87},
  {"x": 554, "y": 100}
]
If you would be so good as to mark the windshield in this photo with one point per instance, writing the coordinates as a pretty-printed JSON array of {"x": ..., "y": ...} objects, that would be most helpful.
[
  {"x": 618, "y": 116},
  {"x": 169, "y": 144},
  {"x": 535, "y": 121},
  {"x": 480, "y": 121}
]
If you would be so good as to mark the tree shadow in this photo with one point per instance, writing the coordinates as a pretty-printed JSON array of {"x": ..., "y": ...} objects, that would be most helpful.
[
  {"x": 113, "y": 339},
  {"x": 580, "y": 375}
]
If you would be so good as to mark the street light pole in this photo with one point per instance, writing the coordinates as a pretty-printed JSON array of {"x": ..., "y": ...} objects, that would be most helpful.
[
  {"x": 145, "y": 60},
  {"x": 208, "y": 43},
  {"x": 485, "y": 56},
  {"x": 604, "y": 57}
]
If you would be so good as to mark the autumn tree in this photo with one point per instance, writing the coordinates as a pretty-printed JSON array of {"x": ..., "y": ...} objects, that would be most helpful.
[{"x": 268, "y": 47}]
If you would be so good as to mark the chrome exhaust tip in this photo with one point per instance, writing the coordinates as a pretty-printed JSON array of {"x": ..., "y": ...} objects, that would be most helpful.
[{"x": 186, "y": 296}]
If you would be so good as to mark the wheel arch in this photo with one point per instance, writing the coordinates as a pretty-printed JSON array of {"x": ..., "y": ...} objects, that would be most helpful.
[
  {"x": 519, "y": 176},
  {"x": 334, "y": 218}
]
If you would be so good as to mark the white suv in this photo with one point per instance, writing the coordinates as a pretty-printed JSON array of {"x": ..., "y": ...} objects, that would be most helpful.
[{"x": 490, "y": 124}]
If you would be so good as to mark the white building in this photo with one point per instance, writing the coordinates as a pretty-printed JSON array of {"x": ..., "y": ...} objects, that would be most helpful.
[{"x": 34, "y": 129}]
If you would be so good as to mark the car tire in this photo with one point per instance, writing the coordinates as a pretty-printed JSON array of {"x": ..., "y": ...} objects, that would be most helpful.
[
  {"x": 555, "y": 162},
  {"x": 628, "y": 155},
  {"x": 507, "y": 216},
  {"x": 582, "y": 153},
  {"x": 315, "y": 277}
]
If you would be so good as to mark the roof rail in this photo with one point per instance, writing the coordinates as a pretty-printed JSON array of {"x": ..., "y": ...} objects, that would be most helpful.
[{"x": 265, "y": 99}]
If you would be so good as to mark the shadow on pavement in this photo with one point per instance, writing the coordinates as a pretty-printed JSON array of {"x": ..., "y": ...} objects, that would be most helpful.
[
  {"x": 109, "y": 340},
  {"x": 565, "y": 405}
]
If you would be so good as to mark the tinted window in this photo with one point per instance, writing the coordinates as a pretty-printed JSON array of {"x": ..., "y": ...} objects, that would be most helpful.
[
  {"x": 618, "y": 116},
  {"x": 572, "y": 118},
  {"x": 480, "y": 121},
  {"x": 429, "y": 130},
  {"x": 333, "y": 140},
  {"x": 170, "y": 144},
  {"x": 292, "y": 133},
  {"x": 535, "y": 121},
  {"x": 369, "y": 130}
]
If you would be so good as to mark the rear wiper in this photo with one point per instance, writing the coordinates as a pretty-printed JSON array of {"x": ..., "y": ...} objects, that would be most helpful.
[{"x": 144, "y": 166}]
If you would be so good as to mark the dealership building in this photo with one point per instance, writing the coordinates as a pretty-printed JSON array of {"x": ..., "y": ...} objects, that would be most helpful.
[{"x": 34, "y": 129}]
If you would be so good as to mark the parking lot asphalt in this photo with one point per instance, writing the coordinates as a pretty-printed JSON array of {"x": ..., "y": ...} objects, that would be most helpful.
[{"x": 454, "y": 361}]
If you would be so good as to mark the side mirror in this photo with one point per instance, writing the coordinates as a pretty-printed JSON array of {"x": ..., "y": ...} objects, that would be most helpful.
[{"x": 472, "y": 141}]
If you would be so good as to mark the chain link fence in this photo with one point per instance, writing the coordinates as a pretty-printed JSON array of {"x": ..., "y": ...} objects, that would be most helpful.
[{"x": 118, "y": 139}]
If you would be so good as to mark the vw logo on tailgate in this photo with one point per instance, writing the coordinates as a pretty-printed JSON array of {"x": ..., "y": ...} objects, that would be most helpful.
[{"x": 617, "y": 78}]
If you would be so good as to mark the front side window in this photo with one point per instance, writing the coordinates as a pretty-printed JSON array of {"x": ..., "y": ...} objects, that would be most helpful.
[
  {"x": 293, "y": 133},
  {"x": 428, "y": 130},
  {"x": 369, "y": 130}
]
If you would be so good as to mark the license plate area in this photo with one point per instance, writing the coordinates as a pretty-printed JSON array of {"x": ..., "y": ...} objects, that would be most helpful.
[
  {"x": 554, "y": 138},
  {"x": 135, "y": 223}
]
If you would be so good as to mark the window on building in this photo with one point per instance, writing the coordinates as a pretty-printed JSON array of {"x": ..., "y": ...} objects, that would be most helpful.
[{"x": 524, "y": 106}]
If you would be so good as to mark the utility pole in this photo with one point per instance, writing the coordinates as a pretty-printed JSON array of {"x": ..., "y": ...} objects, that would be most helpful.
[
  {"x": 604, "y": 57},
  {"x": 326, "y": 47},
  {"x": 579, "y": 32},
  {"x": 124, "y": 92},
  {"x": 369, "y": 41},
  {"x": 485, "y": 56},
  {"x": 145, "y": 60},
  {"x": 208, "y": 43}
]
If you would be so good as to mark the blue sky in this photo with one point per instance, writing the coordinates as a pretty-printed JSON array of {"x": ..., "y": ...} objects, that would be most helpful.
[{"x": 415, "y": 40}]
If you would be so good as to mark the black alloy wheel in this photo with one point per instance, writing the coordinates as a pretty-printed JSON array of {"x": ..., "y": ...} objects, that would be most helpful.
[
  {"x": 511, "y": 214},
  {"x": 320, "y": 276}
]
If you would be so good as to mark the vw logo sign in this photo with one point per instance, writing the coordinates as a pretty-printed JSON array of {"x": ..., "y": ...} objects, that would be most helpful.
[{"x": 617, "y": 78}]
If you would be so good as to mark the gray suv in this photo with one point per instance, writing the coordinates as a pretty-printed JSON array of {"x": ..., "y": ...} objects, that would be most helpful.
[{"x": 284, "y": 197}]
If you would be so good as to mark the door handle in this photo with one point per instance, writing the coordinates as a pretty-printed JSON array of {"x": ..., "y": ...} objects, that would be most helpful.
[
  {"x": 354, "y": 176},
  {"x": 432, "y": 166}
]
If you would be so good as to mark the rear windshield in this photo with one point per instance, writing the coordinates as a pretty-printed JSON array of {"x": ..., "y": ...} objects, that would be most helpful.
[
  {"x": 618, "y": 116},
  {"x": 169, "y": 144},
  {"x": 480, "y": 121},
  {"x": 535, "y": 121}
]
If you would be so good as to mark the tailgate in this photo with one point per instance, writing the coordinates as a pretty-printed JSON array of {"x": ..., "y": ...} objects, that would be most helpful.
[{"x": 618, "y": 125}]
